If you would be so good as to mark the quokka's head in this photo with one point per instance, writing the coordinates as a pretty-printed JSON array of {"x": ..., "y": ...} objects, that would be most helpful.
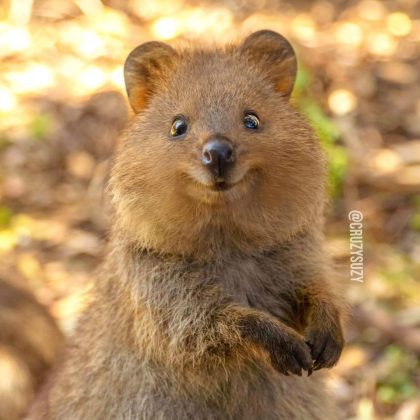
[{"x": 215, "y": 156}]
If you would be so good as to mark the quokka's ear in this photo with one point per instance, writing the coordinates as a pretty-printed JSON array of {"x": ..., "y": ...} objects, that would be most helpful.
[
  {"x": 145, "y": 67},
  {"x": 275, "y": 55}
]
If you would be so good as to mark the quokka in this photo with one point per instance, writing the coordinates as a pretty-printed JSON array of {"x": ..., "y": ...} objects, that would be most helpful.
[{"x": 216, "y": 293}]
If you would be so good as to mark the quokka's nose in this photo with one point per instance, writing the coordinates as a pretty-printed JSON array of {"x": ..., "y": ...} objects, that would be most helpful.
[{"x": 218, "y": 156}]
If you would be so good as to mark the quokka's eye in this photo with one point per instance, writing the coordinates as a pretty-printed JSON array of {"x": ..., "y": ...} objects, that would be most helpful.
[
  {"x": 251, "y": 121},
  {"x": 179, "y": 126}
]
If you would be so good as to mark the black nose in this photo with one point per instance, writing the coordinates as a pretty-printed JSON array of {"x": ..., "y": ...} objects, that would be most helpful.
[{"x": 218, "y": 156}]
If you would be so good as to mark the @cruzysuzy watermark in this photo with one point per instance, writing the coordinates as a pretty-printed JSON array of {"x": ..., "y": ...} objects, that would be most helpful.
[{"x": 356, "y": 245}]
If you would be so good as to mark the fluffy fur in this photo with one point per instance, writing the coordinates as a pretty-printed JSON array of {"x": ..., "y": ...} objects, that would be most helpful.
[{"x": 211, "y": 302}]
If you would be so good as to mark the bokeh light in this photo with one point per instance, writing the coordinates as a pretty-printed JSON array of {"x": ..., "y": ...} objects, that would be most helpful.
[{"x": 342, "y": 101}]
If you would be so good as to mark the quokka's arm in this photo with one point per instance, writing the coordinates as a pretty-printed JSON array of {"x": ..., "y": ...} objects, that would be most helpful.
[
  {"x": 317, "y": 292},
  {"x": 324, "y": 322},
  {"x": 207, "y": 329}
]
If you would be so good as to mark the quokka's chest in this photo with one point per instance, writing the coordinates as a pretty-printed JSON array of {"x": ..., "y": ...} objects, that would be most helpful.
[{"x": 262, "y": 283}]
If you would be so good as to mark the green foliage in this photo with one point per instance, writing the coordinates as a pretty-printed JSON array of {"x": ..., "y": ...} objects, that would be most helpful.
[
  {"x": 399, "y": 275},
  {"x": 415, "y": 218},
  {"x": 4, "y": 141},
  {"x": 325, "y": 128},
  {"x": 397, "y": 385},
  {"x": 303, "y": 81},
  {"x": 40, "y": 126},
  {"x": 5, "y": 216}
]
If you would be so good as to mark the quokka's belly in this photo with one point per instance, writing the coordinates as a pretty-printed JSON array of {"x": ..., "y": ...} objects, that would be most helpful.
[{"x": 246, "y": 396}]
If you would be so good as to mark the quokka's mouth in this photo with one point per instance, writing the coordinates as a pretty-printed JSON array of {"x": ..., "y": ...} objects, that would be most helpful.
[
  {"x": 222, "y": 185},
  {"x": 217, "y": 184},
  {"x": 219, "y": 190}
]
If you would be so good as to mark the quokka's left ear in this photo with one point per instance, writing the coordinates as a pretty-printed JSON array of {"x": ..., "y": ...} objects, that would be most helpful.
[
  {"x": 275, "y": 55},
  {"x": 145, "y": 69}
]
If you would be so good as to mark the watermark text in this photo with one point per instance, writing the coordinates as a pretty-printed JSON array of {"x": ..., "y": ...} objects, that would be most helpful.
[{"x": 356, "y": 245}]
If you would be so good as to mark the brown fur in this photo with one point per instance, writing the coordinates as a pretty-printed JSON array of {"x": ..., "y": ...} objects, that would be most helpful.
[
  {"x": 30, "y": 343},
  {"x": 208, "y": 298}
]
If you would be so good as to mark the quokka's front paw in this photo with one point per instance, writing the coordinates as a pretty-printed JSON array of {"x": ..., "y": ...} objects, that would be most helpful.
[
  {"x": 326, "y": 343},
  {"x": 288, "y": 351}
]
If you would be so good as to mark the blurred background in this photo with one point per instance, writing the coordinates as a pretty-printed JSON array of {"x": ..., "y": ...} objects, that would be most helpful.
[{"x": 62, "y": 109}]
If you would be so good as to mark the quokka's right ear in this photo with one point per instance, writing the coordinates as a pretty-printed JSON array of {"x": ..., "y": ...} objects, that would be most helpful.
[
  {"x": 273, "y": 52},
  {"x": 145, "y": 67}
]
